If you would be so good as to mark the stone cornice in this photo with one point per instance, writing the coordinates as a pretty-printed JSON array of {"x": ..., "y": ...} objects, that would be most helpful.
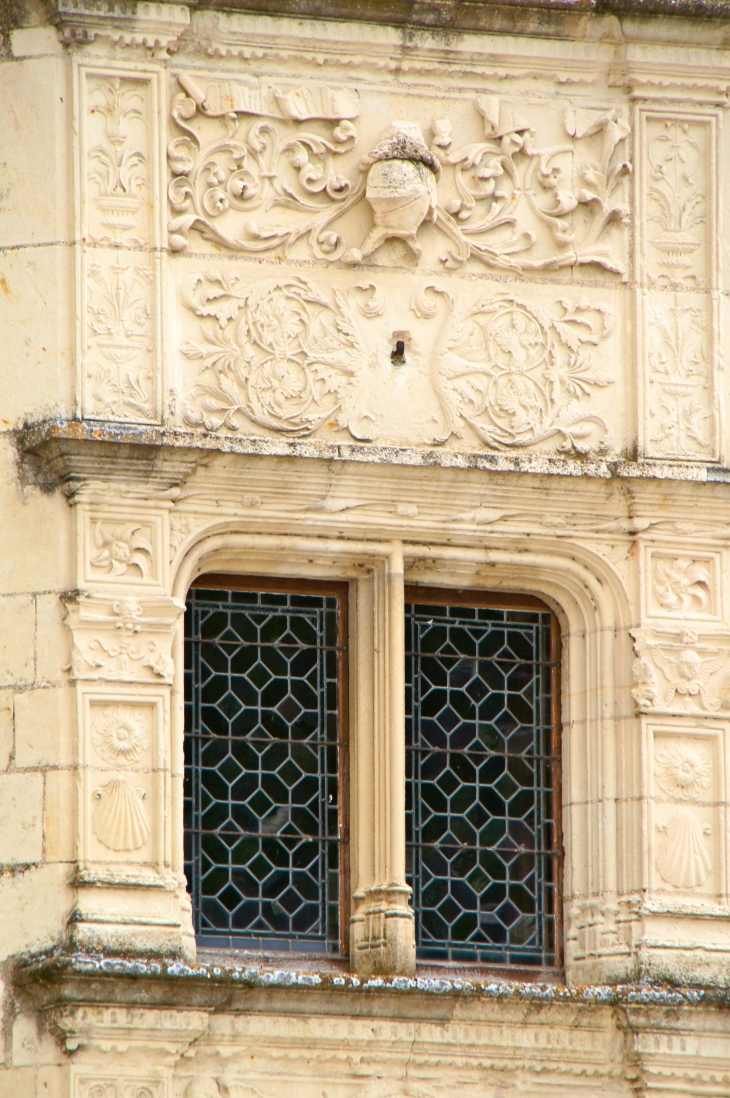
[
  {"x": 468, "y": 15},
  {"x": 71, "y": 453},
  {"x": 155, "y": 25}
]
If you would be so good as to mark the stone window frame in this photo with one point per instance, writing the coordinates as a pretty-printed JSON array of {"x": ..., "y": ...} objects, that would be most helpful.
[{"x": 589, "y": 611}]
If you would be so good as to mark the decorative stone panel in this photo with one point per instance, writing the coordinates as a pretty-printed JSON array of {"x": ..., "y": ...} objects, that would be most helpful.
[
  {"x": 119, "y": 341},
  {"x": 678, "y": 270}
]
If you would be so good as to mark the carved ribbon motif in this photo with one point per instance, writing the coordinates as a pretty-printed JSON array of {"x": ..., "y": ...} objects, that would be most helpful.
[
  {"x": 502, "y": 200},
  {"x": 284, "y": 356}
]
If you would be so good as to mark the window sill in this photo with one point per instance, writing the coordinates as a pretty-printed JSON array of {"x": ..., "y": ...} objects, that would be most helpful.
[{"x": 63, "y": 980}]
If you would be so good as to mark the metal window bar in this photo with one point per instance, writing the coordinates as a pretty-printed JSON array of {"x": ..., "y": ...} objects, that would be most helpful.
[
  {"x": 265, "y": 833},
  {"x": 482, "y": 757}
]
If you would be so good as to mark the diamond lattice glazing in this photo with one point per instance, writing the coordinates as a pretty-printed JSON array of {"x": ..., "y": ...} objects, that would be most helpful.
[
  {"x": 262, "y": 768},
  {"x": 480, "y": 779}
]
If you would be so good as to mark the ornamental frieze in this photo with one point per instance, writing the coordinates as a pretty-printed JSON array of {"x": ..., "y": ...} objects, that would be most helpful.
[{"x": 258, "y": 168}]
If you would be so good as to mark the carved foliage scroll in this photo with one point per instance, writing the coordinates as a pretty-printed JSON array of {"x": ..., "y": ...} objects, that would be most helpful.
[
  {"x": 102, "y": 1086},
  {"x": 119, "y": 276},
  {"x": 257, "y": 168},
  {"x": 286, "y": 357},
  {"x": 678, "y": 209}
]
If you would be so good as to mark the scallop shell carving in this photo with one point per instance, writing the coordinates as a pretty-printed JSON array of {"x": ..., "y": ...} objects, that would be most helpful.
[
  {"x": 120, "y": 821},
  {"x": 684, "y": 860}
]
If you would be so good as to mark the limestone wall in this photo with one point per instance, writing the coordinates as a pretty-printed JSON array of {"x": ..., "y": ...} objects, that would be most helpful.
[{"x": 359, "y": 300}]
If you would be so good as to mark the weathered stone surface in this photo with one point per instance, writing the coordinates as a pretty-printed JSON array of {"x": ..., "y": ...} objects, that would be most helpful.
[{"x": 425, "y": 293}]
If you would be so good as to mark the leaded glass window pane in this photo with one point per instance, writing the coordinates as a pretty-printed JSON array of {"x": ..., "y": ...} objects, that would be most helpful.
[
  {"x": 481, "y": 772},
  {"x": 263, "y": 768}
]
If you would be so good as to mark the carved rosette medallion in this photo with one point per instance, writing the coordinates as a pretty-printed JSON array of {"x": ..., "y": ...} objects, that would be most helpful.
[
  {"x": 120, "y": 735},
  {"x": 681, "y": 585}
]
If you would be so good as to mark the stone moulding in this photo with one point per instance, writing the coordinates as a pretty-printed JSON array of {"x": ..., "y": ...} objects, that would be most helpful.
[
  {"x": 155, "y": 25},
  {"x": 66, "y": 453},
  {"x": 469, "y": 15},
  {"x": 202, "y": 1022},
  {"x": 62, "y": 977}
]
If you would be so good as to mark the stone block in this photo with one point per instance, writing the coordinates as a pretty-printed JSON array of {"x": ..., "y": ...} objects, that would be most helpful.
[
  {"x": 17, "y": 639},
  {"x": 52, "y": 1082},
  {"x": 18, "y": 1083},
  {"x": 53, "y": 651},
  {"x": 6, "y": 727},
  {"x": 35, "y": 534},
  {"x": 60, "y": 798},
  {"x": 31, "y": 1045},
  {"x": 34, "y": 907},
  {"x": 21, "y": 818},
  {"x": 36, "y": 127},
  {"x": 37, "y": 343},
  {"x": 44, "y": 727}
]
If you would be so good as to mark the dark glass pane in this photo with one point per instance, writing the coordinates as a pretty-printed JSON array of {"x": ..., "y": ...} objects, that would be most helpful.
[
  {"x": 479, "y": 777},
  {"x": 262, "y": 765}
]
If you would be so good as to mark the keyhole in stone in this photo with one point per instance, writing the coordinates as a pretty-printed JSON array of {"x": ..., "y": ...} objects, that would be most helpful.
[{"x": 399, "y": 343}]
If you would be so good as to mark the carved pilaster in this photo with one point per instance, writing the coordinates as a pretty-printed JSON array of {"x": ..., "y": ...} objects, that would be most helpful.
[
  {"x": 677, "y": 265},
  {"x": 131, "y": 892},
  {"x": 120, "y": 232}
]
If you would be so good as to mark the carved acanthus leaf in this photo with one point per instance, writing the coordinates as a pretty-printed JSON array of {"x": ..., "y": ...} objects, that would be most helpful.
[
  {"x": 283, "y": 356},
  {"x": 248, "y": 176}
]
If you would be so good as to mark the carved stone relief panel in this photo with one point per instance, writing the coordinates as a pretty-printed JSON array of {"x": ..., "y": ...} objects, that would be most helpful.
[
  {"x": 119, "y": 220},
  {"x": 121, "y": 552},
  {"x": 683, "y": 584},
  {"x": 687, "y": 839},
  {"x": 122, "y": 639},
  {"x": 125, "y": 760},
  {"x": 273, "y": 168},
  {"x": 677, "y": 213},
  {"x": 106, "y": 1086},
  {"x": 681, "y": 671},
  {"x": 490, "y": 367}
]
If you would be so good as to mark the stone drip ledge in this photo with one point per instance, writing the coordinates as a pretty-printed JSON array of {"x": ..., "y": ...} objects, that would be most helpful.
[
  {"x": 95, "y": 978},
  {"x": 71, "y": 452}
]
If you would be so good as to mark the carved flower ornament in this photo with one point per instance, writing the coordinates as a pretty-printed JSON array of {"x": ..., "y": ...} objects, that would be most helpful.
[
  {"x": 682, "y": 584},
  {"x": 683, "y": 770},
  {"x": 120, "y": 735},
  {"x": 121, "y": 548}
]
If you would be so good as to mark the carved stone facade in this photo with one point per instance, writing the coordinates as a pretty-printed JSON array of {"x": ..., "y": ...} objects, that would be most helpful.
[{"x": 340, "y": 295}]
